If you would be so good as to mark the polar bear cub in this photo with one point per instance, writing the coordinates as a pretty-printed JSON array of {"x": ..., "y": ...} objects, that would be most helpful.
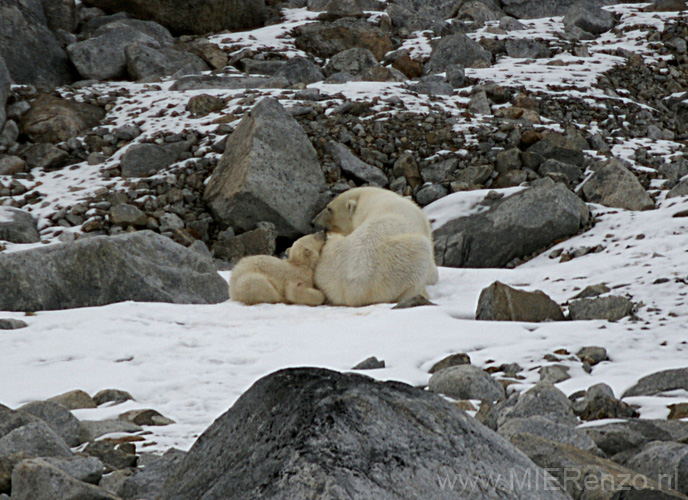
[
  {"x": 379, "y": 249},
  {"x": 266, "y": 279}
]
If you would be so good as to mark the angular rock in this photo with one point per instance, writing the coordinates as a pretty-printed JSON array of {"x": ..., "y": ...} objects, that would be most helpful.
[
  {"x": 592, "y": 354},
  {"x": 37, "y": 479},
  {"x": 141, "y": 266},
  {"x": 439, "y": 172},
  {"x": 127, "y": 215},
  {"x": 31, "y": 52},
  {"x": 433, "y": 85},
  {"x": 114, "y": 456},
  {"x": 553, "y": 374},
  {"x": 317, "y": 433},
  {"x": 193, "y": 17},
  {"x": 678, "y": 411},
  {"x": 59, "y": 418},
  {"x": 500, "y": 302},
  {"x": 480, "y": 104},
  {"x": 680, "y": 189},
  {"x": 18, "y": 226},
  {"x": 5, "y": 83},
  {"x": 90, "y": 430},
  {"x": 12, "y": 324},
  {"x": 613, "y": 185},
  {"x": 52, "y": 119},
  {"x": 560, "y": 147},
  {"x": 204, "y": 104},
  {"x": 300, "y": 70},
  {"x": 34, "y": 439},
  {"x": 618, "y": 437},
  {"x": 145, "y": 417},
  {"x": 145, "y": 62},
  {"x": 45, "y": 156},
  {"x": 327, "y": 39},
  {"x": 666, "y": 463},
  {"x": 466, "y": 382},
  {"x": 351, "y": 165},
  {"x": 260, "y": 241},
  {"x": 599, "y": 403},
  {"x": 268, "y": 172},
  {"x": 142, "y": 160},
  {"x": 527, "y": 49},
  {"x": 592, "y": 291},
  {"x": 371, "y": 363},
  {"x": 456, "y": 49},
  {"x": 102, "y": 57},
  {"x": 81, "y": 468},
  {"x": 543, "y": 427},
  {"x": 11, "y": 420},
  {"x": 666, "y": 380},
  {"x": 572, "y": 172},
  {"x": 514, "y": 227},
  {"x": 543, "y": 400},
  {"x": 584, "y": 475},
  {"x": 590, "y": 18},
  {"x": 457, "y": 359},
  {"x": 74, "y": 400},
  {"x": 611, "y": 308},
  {"x": 60, "y": 15},
  {"x": 147, "y": 483},
  {"x": 354, "y": 61},
  {"x": 431, "y": 193}
]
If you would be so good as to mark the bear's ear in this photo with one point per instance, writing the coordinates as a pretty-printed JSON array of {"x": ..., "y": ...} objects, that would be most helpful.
[
  {"x": 351, "y": 206},
  {"x": 307, "y": 252}
]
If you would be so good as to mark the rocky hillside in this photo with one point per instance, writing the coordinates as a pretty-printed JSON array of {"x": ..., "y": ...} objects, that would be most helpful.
[{"x": 146, "y": 145}]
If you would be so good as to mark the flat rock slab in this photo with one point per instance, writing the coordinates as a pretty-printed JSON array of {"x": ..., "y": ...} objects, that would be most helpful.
[
  {"x": 666, "y": 380},
  {"x": 500, "y": 302},
  {"x": 512, "y": 227},
  {"x": 143, "y": 266},
  {"x": 313, "y": 433}
]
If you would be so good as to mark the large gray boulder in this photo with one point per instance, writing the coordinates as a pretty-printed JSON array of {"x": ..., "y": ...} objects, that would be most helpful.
[
  {"x": 60, "y": 14},
  {"x": 53, "y": 119},
  {"x": 34, "y": 439},
  {"x": 544, "y": 427},
  {"x": 269, "y": 172},
  {"x": 456, "y": 49},
  {"x": 193, "y": 16},
  {"x": 620, "y": 436},
  {"x": 142, "y": 160},
  {"x": 590, "y": 18},
  {"x": 17, "y": 226},
  {"x": 313, "y": 433},
  {"x": 38, "y": 479},
  {"x": 300, "y": 70},
  {"x": 58, "y": 418},
  {"x": 542, "y": 400},
  {"x": 666, "y": 380},
  {"x": 586, "y": 476},
  {"x": 500, "y": 302},
  {"x": 663, "y": 459},
  {"x": 354, "y": 61},
  {"x": 611, "y": 308},
  {"x": 144, "y": 61},
  {"x": 352, "y": 166},
  {"x": 32, "y": 53},
  {"x": 141, "y": 266},
  {"x": 103, "y": 57},
  {"x": 327, "y": 39},
  {"x": 517, "y": 226},
  {"x": 613, "y": 185}
]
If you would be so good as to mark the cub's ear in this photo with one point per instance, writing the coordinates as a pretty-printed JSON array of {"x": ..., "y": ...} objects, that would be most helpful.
[
  {"x": 351, "y": 206},
  {"x": 307, "y": 252}
]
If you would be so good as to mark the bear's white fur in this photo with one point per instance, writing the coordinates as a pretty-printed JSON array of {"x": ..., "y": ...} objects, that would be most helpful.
[
  {"x": 266, "y": 279},
  {"x": 379, "y": 249}
]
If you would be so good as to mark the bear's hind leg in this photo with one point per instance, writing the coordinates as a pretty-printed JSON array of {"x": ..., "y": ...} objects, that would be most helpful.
[
  {"x": 298, "y": 293},
  {"x": 254, "y": 288}
]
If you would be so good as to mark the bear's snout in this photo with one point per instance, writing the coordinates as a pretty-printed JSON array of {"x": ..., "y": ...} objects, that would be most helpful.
[{"x": 322, "y": 220}]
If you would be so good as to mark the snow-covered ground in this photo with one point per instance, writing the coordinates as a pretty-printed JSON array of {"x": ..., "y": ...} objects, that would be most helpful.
[{"x": 192, "y": 362}]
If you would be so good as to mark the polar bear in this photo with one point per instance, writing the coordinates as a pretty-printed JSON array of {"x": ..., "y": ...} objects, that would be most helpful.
[
  {"x": 379, "y": 249},
  {"x": 266, "y": 279}
]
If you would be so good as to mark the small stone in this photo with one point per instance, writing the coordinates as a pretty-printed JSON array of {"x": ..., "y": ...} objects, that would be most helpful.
[
  {"x": 115, "y": 456},
  {"x": 204, "y": 104},
  {"x": 114, "y": 396},
  {"x": 415, "y": 301},
  {"x": 678, "y": 411},
  {"x": 554, "y": 374},
  {"x": 10, "y": 165},
  {"x": 127, "y": 215},
  {"x": 145, "y": 417},
  {"x": 592, "y": 291},
  {"x": 371, "y": 363},
  {"x": 592, "y": 354},
  {"x": 74, "y": 400},
  {"x": 466, "y": 382},
  {"x": 431, "y": 193},
  {"x": 457, "y": 359},
  {"x": 12, "y": 324}
]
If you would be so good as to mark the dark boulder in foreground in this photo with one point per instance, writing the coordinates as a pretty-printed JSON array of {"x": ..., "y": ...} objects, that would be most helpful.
[
  {"x": 313, "y": 433},
  {"x": 143, "y": 266}
]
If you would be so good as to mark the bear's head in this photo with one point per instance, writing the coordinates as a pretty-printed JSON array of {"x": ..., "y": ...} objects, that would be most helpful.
[
  {"x": 338, "y": 215},
  {"x": 306, "y": 250}
]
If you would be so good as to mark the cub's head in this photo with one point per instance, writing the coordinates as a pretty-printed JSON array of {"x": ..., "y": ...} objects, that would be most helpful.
[
  {"x": 306, "y": 250},
  {"x": 338, "y": 215}
]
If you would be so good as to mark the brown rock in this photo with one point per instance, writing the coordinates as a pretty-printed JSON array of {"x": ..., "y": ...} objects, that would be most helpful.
[
  {"x": 409, "y": 67},
  {"x": 328, "y": 39},
  {"x": 457, "y": 359},
  {"x": 52, "y": 119},
  {"x": 74, "y": 400},
  {"x": 678, "y": 411}
]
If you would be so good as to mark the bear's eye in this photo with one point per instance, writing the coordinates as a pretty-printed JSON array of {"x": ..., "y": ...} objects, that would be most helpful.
[{"x": 329, "y": 209}]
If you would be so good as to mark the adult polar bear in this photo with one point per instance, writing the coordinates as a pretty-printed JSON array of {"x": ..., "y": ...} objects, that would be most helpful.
[{"x": 379, "y": 249}]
